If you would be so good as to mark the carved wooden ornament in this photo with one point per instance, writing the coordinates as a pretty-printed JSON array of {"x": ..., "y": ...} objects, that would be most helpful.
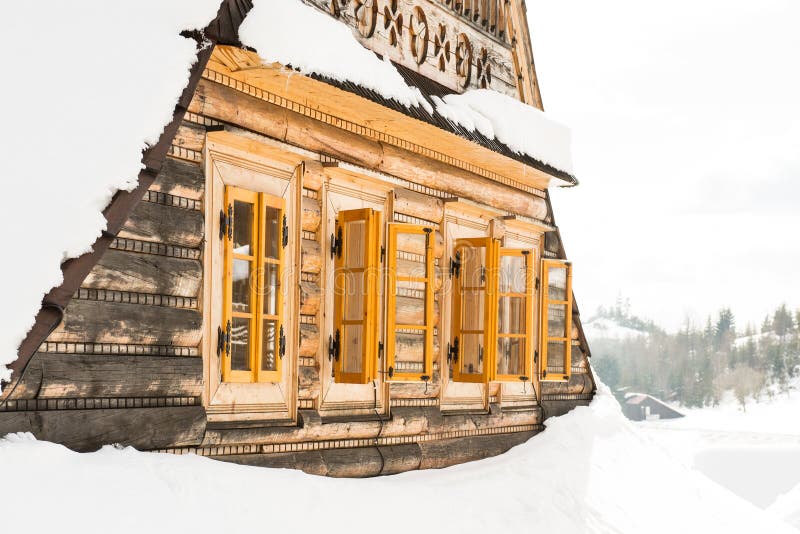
[{"x": 418, "y": 28}]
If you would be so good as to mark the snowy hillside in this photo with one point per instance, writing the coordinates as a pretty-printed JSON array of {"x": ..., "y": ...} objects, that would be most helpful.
[
  {"x": 608, "y": 328},
  {"x": 591, "y": 472}
]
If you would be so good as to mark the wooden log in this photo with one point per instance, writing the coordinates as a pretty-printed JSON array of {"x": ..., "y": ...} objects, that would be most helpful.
[
  {"x": 579, "y": 383},
  {"x": 310, "y": 297},
  {"x": 191, "y": 136},
  {"x": 88, "y": 430},
  {"x": 417, "y": 205},
  {"x": 309, "y": 340},
  {"x": 165, "y": 224},
  {"x": 447, "y": 452},
  {"x": 313, "y": 174},
  {"x": 311, "y": 256},
  {"x": 412, "y": 311},
  {"x": 180, "y": 178},
  {"x": 497, "y": 228},
  {"x": 311, "y": 215},
  {"x": 308, "y": 382},
  {"x": 226, "y": 104},
  {"x": 409, "y": 243},
  {"x": 114, "y": 322},
  {"x": 146, "y": 273},
  {"x": 414, "y": 390},
  {"x": 54, "y": 375},
  {"x": 415, "y": 268}
]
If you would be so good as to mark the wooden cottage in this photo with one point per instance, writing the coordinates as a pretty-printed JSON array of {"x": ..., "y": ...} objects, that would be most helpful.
[
  {"x": 644, "y": 407},
  {"x": 312, "y": 275}
]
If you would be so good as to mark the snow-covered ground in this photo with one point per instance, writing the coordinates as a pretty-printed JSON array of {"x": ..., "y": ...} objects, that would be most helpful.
[
  {"x": 605, "y": 328},
  {"x": 591, "y": 471},
  {"x": 755, "y": 454}
]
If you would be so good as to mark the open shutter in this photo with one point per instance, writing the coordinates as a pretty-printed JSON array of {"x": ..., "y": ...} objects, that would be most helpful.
[
  {"x": 473, "y": 308},
  {"x": 410, "y": 306},
  {"x": 556, "y": 320},
  {"x": 355, "y": 247},
  {"x": 514, "y": 317}
]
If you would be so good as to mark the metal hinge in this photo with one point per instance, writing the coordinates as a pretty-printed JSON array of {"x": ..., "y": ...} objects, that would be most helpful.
[
  {"x": 226, "y": 223},
  {"x": 383, "y": 253},
  {"x": 452, "y": 351},
  {"x": 455, "y": 265},
  {"x": 537, "y": 284},
  {"x": 282, "y": 344},
  {"x": 380, "y": 349},
  {"x": 336, "y": 244},
  {"x": 480, "y": 354},
  {"x": 285, "y": 232},
  {"x": 224, "y": 340},
  {"x": 483, "y": 274},
  {"x": 333, "y": 347}
]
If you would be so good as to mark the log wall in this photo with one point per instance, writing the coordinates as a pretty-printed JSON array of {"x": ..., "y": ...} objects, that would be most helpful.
[{"x": 125, "y": 365}]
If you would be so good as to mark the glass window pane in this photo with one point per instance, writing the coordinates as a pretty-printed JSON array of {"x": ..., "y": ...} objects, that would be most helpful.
[
  {"x": 511, "y": 315},
  {"x": 409, "y": 306},
  {"x": 557, "y": 283},
  {"x": 352, "y": 350},
  {"x": 273, "y": 232},
  {"x": 269, "y": 346},
  {"x": 241, "y": 286},
  {"x": 510, "y": 356},
  {"x": 472, "y": 312},
  {"x": 240, "y": 344},
  {"x": 411, "y": 243},
  {"x": 556, "y": 320},
  {"x": 513, "y": 274},
  {"x": 355, "y": 244},
  {"x": 354, "y": 288},
  {"x": 409, "y": 347},
  {"x": 556, "y": 355},
  {"x": 472, "y": 353},
  {"x": 472, "y": 266},
  {"x": 242, "y": 227},
  {"x": 272, "y": 289}
]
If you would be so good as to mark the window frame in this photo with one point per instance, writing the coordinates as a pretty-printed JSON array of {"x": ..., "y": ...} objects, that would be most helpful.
[
  {"x": 528, "y": 335},
  {"x": 544, "y": 336},
  {"x": 260, "y": 201},
  {"x": 369, "y": 355},
  {"x": 391, "y": 300}
]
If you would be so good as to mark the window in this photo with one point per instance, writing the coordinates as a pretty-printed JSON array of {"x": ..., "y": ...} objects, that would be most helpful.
[
  {"x": 492, "y": 312},
  {"x": 410, "y": 306},
  {"x": 556, "y": 319},
  {"x": 356, "y": 247},
  {"x": 514, "y": 315},
  {"x": 255, "y": 234}
]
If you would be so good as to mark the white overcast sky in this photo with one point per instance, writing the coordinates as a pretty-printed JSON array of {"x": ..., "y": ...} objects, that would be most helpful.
[{"x": 686, "y": 130}]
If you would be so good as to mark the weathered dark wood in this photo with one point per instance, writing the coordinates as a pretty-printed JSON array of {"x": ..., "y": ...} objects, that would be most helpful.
[
  {"x": 447, "y": 452},
  {"x": 88, "y": 430},
  {"x": 166, "y": 224},
  {"x": 310, "y": 296},
  {"x": 112, "y": 322},
  {"x": 146, "y": 273},
  {"x": 555, "y": 408},
  {"x": 308, "y": 382},
  {"x": 190, "y": 136},
  {"x": 180, "y": 178},
  {"x": 53, "y": 375},
  {"x": 578, "y": 384}
]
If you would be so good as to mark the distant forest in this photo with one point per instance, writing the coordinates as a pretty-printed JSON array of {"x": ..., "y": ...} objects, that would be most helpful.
[{"x": 696, "y": 365}]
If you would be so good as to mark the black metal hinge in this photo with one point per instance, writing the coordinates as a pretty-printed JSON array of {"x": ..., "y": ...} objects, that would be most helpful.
[
  {"x": 452, "y": 351},
  {"x": 333, "y": 347},
  {"x": 480, "y": 354},
  {"x": 336, "y": 244},
  {"x": 224, "y": 340},
  {"x": 226, "y": 223},
  {"x": 282, "y": 344},
  {"x": 483, "y": 274},
  {"x": 537, "y": 284},
  {"x": 383, "y": 253},
  {"x": 455, "y": 265},
  {"x": 285, "y": 232},
  {"x": 380, "y": 349}
]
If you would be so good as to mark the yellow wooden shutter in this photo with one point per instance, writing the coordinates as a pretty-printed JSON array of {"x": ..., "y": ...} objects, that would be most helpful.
[
  {"x": 356, "y": 276},
  {"x": 511, "y": 352},
  {"x": 473, "y": 313},
  {"x": 556, "y": 320}
]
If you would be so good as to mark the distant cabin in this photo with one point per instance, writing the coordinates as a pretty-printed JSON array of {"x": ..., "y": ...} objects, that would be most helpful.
[
  {"x": 311, "y": 275},
  {"x": 643, "y": 407}
]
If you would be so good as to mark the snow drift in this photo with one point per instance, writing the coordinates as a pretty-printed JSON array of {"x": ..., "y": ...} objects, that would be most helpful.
[{"x": 591, "y": 471}]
